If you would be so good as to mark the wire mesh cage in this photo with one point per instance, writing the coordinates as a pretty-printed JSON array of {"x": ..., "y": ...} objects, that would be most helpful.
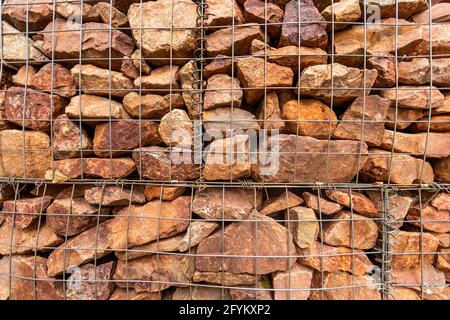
[{"x": 222, "y": 149}]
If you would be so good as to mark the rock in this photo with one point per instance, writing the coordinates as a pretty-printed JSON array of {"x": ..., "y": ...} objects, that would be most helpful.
[
  {"x": 128, "y": 69},
  {"x": 154, "y": 247},
  {"x": 325, "y": 258},
  {"x": 121, "y": 137},
  {"x": 440, "y": 12},
  {"x": 441, "y": 201},
  {"x": 68, "y": 169},
  {"x": 444, "y": 295},
  {"x": 433, "y": 145},
  {"x": 224, "y": 41},
  {"x": 269, "y": 112},
  {"x": 87, "y": 106},
  {"x": 303, "y": 225},
  {"x": 239, "y": 239},
  {"x": 284, "y": 201},
  {"x": 111, "y": 15},
  {"x": 157, "y": 43},
  {"x": 309, "y": 117},
  {"x": 402, "y": 293},
  {"x": 94, "y": 282},
  {"x": 418, "y": 72},
  {"x": 7, "y": 192},
  {"x": 24, "y": 213},
  {"x": 196, "y": 232},
  {"x": 18, "y": 48},
  {"x": 219, "y": 122},
  {"x": 102, "y": 82},
  {"x": 257, "y": 11},
  {"x": 402, "y": 118},
  {"x": 132, "y": 226},
  {"x": 409, "y": 248},
  {"x": 158, "y": 163},
  {"x": 227, "y": 203},
  {"x": 385, "y": 67},
  {"x": 35, "y": 238},
  {"x": 320, "y": 205},
  {"x": 443, "y": 259},
  {"x": 252, "y": 294},
  {"x": 114, "y": 196},
  {"x": 441, "y": 169},
  {"x": 426, "y": 278},
  {"x": 316, "y": 82},
  {"x": 32, "y": 15},
  {"x": 344, "y": 286},
  {"x": 70, "y": 140},
  {"x": 444, "y": 239},
  {"x": 126, "y": 294},
  {"x": 100, "y": 45},
  {"x": 364, "y": 120},
  {"x": 222, "y": 13},
  {"x": 438, "y": 123},
  {"x": 414, "y": 97},
  {"x": 176, "y": 129},
  {"x": 228, "y": 159},
  {"x": 78, "y": 11},
  {"x": 255, "y": 74},
  {"x": 225, "y": 278},
  {"x": 151, "y": 106},
  {"x": 304, "y": 159},
  {"x": 341, "y": 12},
  {"x": 60, "y": 83},
  {"x": 200, "y": 293},
  {"x": 353, "y": 200},
  {"x": 395, "y": 168},
  {"x": 163, "y": 80},
  {"x": 299, "y": 277},
  {"x": 312, "y": 25},
  {"x": 190, "y": 84},
  {"x": 402, "y": 9},
  {"x": 219, "y": 65},
  {"x": 163, "y": 193},
  {"x": 152, "y": 274},
  {"x": 31, "y": 147},
  {"x": 429, "y": 218},
  {"x": 23, "y": 77},
  {"x": 31, "y": 109},
  {"x": 350, "y": 230},
  {"x": 222, "y": 91},
  {"x": 71, "y": 216},
  {"x": 139, "y": 63},
  {"x": 397, "y": 205}
]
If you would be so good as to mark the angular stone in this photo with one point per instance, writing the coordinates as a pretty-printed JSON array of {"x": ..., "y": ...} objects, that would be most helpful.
[
  {"x": 88, "y": 106},
  {"x": 325, "y": 258},
  {"x": 222, "y": 13},
  {"x": 228, "y": 203},
  {"x": 239, "y": 39},
  {"x": 176, "y": 129},
  {"x": 351, "y": 199},
  {"x": 402, "y": 118},
  {"x": 163, "y": 193},
  {"x": 441, "y": 201},
  {"x": 245, "y": 239},
  {"x": 263, "y": 13},
  {"x": 219, "y": 65},
  {"x": 200, "y": 293},
  {"x": 444, "y": 239},
  {"x": 31, "y": 147},
  {"x": 443, "y": 259},
  {"x": 78, "y": 11},
  {"x": 126, "y": 294},
  {"x": 298, "y": 277},
  {"x": 402, "y": 9},
  {"x": 190, "y": 84},
  {"x": 31, "y": 15},
  {"x": 68, "y": 169},
  {"x": 218, "y": 122},
  {"x": 228, "y": 159},
  {"x": 278, "y": 203},
  {"x": 35, "y": 238},
  {"x": 139, "y": 63},
  {"x": 320, "y": 205},
  {"x": 60, "y": 83},
  {"x": 23, "y": 77},
  {"x": 341, "y": 12},
  {"x": 31, "y": 109},
  {"x": 100, "y": 45},
  {"x": 163, "y": 80},
  {"x": 303, "y": 225},
  {"x": 438, "y": 123},
  {"x": 114, "y": 196},
  {"x": 269, "y": 112},
  {"x": 291, "y": 158},
  {"x": 397, "y": 205},
  {"x": 111, "y": 16},
  {"x": 255, "y": 74},
  {"x": 316, "y": 82},
  {"x": 429, "y": 217},
  {"x": 7, "y": 192},
  {"x": 102, "y": 82},
  {"x": 24, "y": 212},
  {"x": 128, "y": 69},
  {"x": 309, "y": 117},
  {"x": 252, "y": 294},
  {"x": 440, "y": 12},
  {"x": 414, "y": 97},
  {"x": 408, "y": 249},
  {"x": 441, "y": 169},
  {"x": 225, "y": 278},
  {"x": 312, "y": 25},
  {"x": 132, "y": 226},
  {"x": 426, "y": 278},
  {"x": 402, "y": 293},
  {"x": 151, "y": 106},
  {"x": 222, "y": 91},
  {"x": 94, "y": 282},
  {"x": 385, "y": 67},
  {"x": 414, "y": 72},
  {"x": 433, "y": 144},
  {"x": 158, "y": 40},
  {"x": 196, "y": 232},
  {"x": 70, "y": 140},
  {"x": 351, "y": 231}
]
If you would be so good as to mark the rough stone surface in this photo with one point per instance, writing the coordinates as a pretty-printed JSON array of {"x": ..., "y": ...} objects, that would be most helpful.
[
  {"x": 385, "y": 67},
  {"x": 25, "y": 212},
  {"x": 441, "y": 169},
  {"x": 151, "y": 106},
  {"x": 189, "y": 79},
  {"x": 398, "y": 205},
  {"x": 70, "y": 140},
  {"x": 220, "y": 121},
  {"x": 431, "y": 280},
  {"x": 278, "y": 203},
  {"x": 131, "y": 295},
  {"x": 320, "y": 205},
  {"x": 438, "y": 123},
  {"x": 429, "y": 217},
  {"x": 340, "y": 13},
  {"x": 222, "y": 13},
  {"x": 60, "y": 83},
  {"x": 95, "y": 282},
  {"x": 32, "y": 15},
  {"x": 176, "y": 129},
  {"x": 407, "y": 249},
  {"x": 219, "y": 65},
  {"x": 440, "y": 12},
  {"x": 269, "y": 112},
  {"x": 298, "y": 277},
  {"x": 196, "y": 232},
  {"x": 353, "y": 200},
  {"x": 163, "y": 193},
  {"x": 401, "y": 118},
  {"x": 111, "y": 16},
  {"x": 114, "y": 196},
  {"x": 88, "y": 106},
  {"x": 163, "y": 80},
  {"x": 225, "y": 278},
  {"x": 402, "y": 9},
  {"x": 303, "y": 225},
  {"x": 414, "y": 97},
  {"x": 222, "y": 91},
  {"x": 257, "y": 11},
  {"x": 200, "y": 293},
  {"x": 78, "y": 11}
]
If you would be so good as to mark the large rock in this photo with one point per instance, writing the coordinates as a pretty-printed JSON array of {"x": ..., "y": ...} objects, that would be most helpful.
[
  {"x": 219, "y": 122},
  {"x": 227, "y": 203},
  {"x": 151, "y": 106},
  {"x": 401, "y": 118},
  {"x": 222, "y": 13},
  {"x": 280, "y": 202},
  {"x": 320, "y": 205},
  {"x": 414, "y": 97},
  {"x": 441, "y": 169},
  {"x": 385, "y": 67},
  {"x": 291, "y": 158},
  {"x": 152, "y": 24},
  {"x": 114, "y": 196},
  {"x": 222, "y": 91},
  {"x": 402, "y": 9},
  {"x": 255, "y": 74},
  {"x": 96, "y": 45},
  {"x": 397, "y": 205},
  {"x": 133, "y": 225},
  {"x": 196, "y": 232},
  {"x": 440, "y": 12},
  {"x": 24, "y": 212},
  {"x": 349, "y": 83},
  {"x": 221, "y": 64},
  {"x": 353, "y": 200},
  {"x": 163, "y": 80},
  {"x": 54, "y": 78},
  {"x": 70, "y": 140},
  {"x": 31, "y": 15},
  {"x": 429, "y": 218},
  {"x": 242, "y": 240},
  {"x": 437, "y": 123},
  {"x": 31, "y": 109},
  {"x": 298, "y": 277},
  {"x": 78, "y": 11},
  {"x": 303, "y": 225},
  {"x": 176, "y": 129},
  {"x": 424, "y": 279},
  {"x": 263, "y": 13},
  {"x": 341, "y": 13},
  {"x": 88, "y": 106},
  {"x": 24, "y": 154}
]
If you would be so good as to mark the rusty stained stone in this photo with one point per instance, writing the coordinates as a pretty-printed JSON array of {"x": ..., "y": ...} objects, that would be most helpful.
[
  {"x": 397, "y": 205},
  {"x": 114, "y": 196},
  {"x": 385, "y": 67},
  {"x": 414, "y": 97},
  {"x": 263, "y": 292},
  {"x": 341, "y": 12},
  {"x": 225, "y": 278},
  {"x": 32, "y": 15},
  {"x": 263, "y": 13},
  {"x": 163, "y": 80},
  {"x": 442, "y": 261},
  {"x": 54, "y": 78},
  {"x": 163, "y": 192},
  {"x": 441, "y": 169},
  {"x": 132, "y": 226},
  {"x": 298, "y": 277},
  {"x": 23, "y": 77},
  {"x": 78, "y": 11},
  {"x": 402, "y": 293},
  {"x": 176, "y": 129},
  {"x": 440, "y": 12},
  {"x": 128, "y": 68},
  {"x": 139, "y": 62},
  {"x": 200, "y": 293},
  {"x": 401, "y": 118},
  {"x": 220, "y": 122},
  {"x": 219, "y": 65},
  {"x": 111, "y": 16},
  {"x": 222, "y": 13},
  {"x": 437, "y": 123},
  {"x": 189, "y": 79},
  {"x": 151, "y": 106},
  {"x": 278, "y": 203},
  {"x": 70, "y": 140},
  {"x": 444, "y": 239},
  {"x": 222, "y": 91},
  {"x": 24, "y": 212},
  {"x": 429, "y": 217},
  {"x": 441, "y": 201},
  {"x": 320, "y": 205},
  {"x": 351, "y": 199},
  {"x": 196, "y": 232},
  {"x": 245, "y": 239},
  {"x": 426, "y": 278},
  {"x": 126, "y": 294},
  {"x": 402, "y": 9},
  {"x": 269, "y": 112},
  {"x": 303, "y": 225}
]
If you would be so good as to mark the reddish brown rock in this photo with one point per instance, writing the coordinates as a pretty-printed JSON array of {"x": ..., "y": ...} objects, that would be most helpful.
[
  {"x": 298, "y": 277},
  {"x": 79, "y": 11},
  {"x": 219, "y": 122},
  {"x": 54, "y": 78},
  {"x": 190, "y": 84},
  {"x": 128, "y": 68},
  {"x": 163, "y": 80},
  {"x": 222, "y": 13},
  {"x": 402, "y": 9},
  {"x": 33, "y": 110},
  {"x": 176, "y": 129},
  {"x": 397, "y": 205},
  {"x": 312, "y": 25},
  {"x": 402, "y": 293},
  {"x": 438, "y": 123},
  {"x": 163, "y": 193},
  {"x": 222, "y": 91},
  {"x": 443, "y": 259},
  {"x": 114, "y": 196},
  {"x": 219, "y": 65},
  {"x": 139, "y": 63},
  {"x": 341, "y": 13},
  {"x": 353, "y": 200},
  {"x": 444, "y": 239},
  {"x": 440, "y": 12},
  {"x": 441, "y": 169},
  {"x": 126, "y": 294},
  {"x": 401, "y": 118},
  {"x": 86, "y": 107},
  {"x": 441, "y": 201},
  {"x": 264, "y": 292},
  {"x": 31, "y": 15},
  {"x": 429, "y": 217},
  {"x": 260, "y": 12},
  {"x": 425, "y": 278},
  {"x": 70, "y": 140},
  {"x": 196, "y": 232},
  {"x": 303, "y": 225},
  {"x": 24, "y": 212},
  {"x": 158, "y": 163},
  {"x": 320, "y": 205},
  {"x": 245, "y": 239},
  {"x": 410, "y": 248},
  {"x": 414, "y": 97},
  {"x": 111, "y": 16},
  {"x": 225, "y": 278},
  {"x": 151, "y": 106},
  {"x": 281, "y": 202},
  {"x": 385, "y": 67},
  {"x": 23, "y": 77},
  {"x": 269, "y": 112},
  {"x": 201, "y": 293}
]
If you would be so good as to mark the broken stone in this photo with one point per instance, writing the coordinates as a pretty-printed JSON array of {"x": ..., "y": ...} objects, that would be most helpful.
[
  {"x": 200, "y": 293},
  {"x": 443, "y": 259},
  {"x": 303, "y": 225},
  {"x": 113, "y": 196},
  {"x": 190, "y": 84},
  {"x": 438, "y": 123},
  {"x": 426, "y": 278},
  {"x": 225, "y": 278},
  {"x": 176, "y": 129},
  {"x": 219, "y": 65},
  {"x": 264, "y": 13},
  {"x": 444, "y": 239},
  {"x": 196, "y": 232},
  {"x": 127, "y": 294},
  {"x": 111, "y": 16},
  {"x": 88, "y": 106},
  {"x": 220, "y": 122},
  {"x": 402, "y": 9},
  {"x": 139, "y": 63},
  {"x": 414, "y": 97},
  {"x": 151, "y": 106},
  {"x": 341, "y": 12},
  {"x": 401, "y": 293},
  {"x": 269, "y": 112},
  {"x": 60, "y": 83},
  {"x": 252, "y": 294},
  {"x": 80, "y": 12},
  {"x": 128, "y": 69},
  {"x": 69, "y": 139},
  {"x": 351, "y": 199},
  {"x": 297, "y": 280},
  {"x": 429, "y": 217},
  {"x": 402, "y": 118},
  {"x": 32, "y": 15},
  {"x": 409, "y": 248},
  {"x": 222, "y": 13},
  {"x": 397, "y": 205},
  {"x": 23, "y": 213},
  {"x": 278, "y": 203},
  {"x": 441, "y": 169},
  {"x": 163, "y": 193},
  {"x": 23, "y": 77},
  {"x": 320, "y": 205},
  {"x": 163, "y": 80},
  {"x": 222, "y": 91},
  {"x": 441, "y": 201},
  {"x": 440, "y": 12},
  {"x": 385, "y": 67}
]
